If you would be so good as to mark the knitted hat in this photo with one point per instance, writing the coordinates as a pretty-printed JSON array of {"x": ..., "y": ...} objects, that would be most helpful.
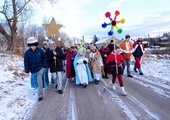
[
  {"x": 51, "y": 42},
  {"x": 32, "y": 41},
  {"x": 105, "y": 43},
  {"x": 127, "y": 36},
  {"x": 72, "y": 45},
  {"x": 45, "y": 43},
  {"x": 111, "y": 41},
  {"x": 139, "y": 40}
]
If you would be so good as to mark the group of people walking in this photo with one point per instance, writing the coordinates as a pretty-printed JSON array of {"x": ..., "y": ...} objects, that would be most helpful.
[{"x": 83, "y": 65}]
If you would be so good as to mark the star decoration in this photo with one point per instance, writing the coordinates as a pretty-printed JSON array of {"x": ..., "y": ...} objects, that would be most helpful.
[
  {"x": 113, "y": 23},
  {"x": 53, "y": 28}
]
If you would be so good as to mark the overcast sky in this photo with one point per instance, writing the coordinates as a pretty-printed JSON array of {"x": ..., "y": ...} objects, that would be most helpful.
[{"x": 85, "y": 17}]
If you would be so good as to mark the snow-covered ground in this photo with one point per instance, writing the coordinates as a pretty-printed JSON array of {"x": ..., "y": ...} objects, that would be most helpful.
[{"x": 17, "y": 98}]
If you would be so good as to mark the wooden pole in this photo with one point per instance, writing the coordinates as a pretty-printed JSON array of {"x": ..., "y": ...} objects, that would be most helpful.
[{"x": 115, "y": 53}]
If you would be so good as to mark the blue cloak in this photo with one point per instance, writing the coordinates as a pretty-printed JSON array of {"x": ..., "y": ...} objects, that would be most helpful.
[
  {"x": 77, "y": 58},
  {"x": 34, "y": 83}
]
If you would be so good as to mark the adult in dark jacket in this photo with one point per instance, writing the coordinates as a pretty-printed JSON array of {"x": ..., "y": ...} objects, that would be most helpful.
[
  {"x": 111, "y": 45},
  {"x": 35, "y": 61},
  {"x": 105, "y": 51},
  {"x": 60, "y": 57},
  {"x": 55, "y": 60},
  {"x": 45, "y": 74},
  {"x": 51, "y": 59}
]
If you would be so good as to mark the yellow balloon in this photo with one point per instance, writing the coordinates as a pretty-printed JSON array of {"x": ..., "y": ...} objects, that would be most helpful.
[{"x": 123, "y": 20}]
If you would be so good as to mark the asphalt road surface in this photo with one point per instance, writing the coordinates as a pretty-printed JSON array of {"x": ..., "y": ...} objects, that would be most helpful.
[{"x": 100, "y": 102}]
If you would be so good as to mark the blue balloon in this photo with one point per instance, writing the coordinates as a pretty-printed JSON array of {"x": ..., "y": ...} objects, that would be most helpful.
[
  {"x": 104, "y": 25},
  {"x": 110, "y": 33}
]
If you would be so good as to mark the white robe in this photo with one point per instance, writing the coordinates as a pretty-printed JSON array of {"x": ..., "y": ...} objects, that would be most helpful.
[{"x": 81, "y": 70}]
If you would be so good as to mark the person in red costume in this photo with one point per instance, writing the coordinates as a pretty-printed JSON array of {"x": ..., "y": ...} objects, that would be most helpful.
[
  {"x": 105, "y": 51},
  {"x": 70, "y": 55},
  {"x": 115, "y": 68}
]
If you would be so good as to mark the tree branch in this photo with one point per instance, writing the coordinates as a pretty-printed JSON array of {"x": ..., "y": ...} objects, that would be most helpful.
[
  {"x": 3, "y": 32},
  {"x": 21, "y": 9}
]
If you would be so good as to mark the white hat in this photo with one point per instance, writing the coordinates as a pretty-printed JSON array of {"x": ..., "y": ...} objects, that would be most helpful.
[
  {"x": 51, "y": 42},
  {"x": 31, "y": 40},
  {"x": 45, "y": 43}
]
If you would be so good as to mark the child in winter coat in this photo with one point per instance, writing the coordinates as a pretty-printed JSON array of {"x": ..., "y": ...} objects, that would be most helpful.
[
  {"x": 35, "y": 61},
  {"x": 138, "y": 50},
  {"x": 115, "y": 68}
]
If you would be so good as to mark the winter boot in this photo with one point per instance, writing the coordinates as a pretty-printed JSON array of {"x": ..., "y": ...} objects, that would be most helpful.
[
  {"x": 96, "y": 81},
  {"x": 85, "y": 85},
  {"x": 135, "y": 69},
  {"x": 72, "y": 79},
  {"x": 113, "y": 87},
  {"x": 60, "y": 91},
  {"x": 140, "y": 72},
  {"x": 122, "y": 91},
  {"x": 56, "y": 86},
  {"x": 106, "y": 76}
]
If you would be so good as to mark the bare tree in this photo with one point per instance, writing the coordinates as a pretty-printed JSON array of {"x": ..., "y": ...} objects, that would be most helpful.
[
  {"x": 12, "y": 12},
  {"x": 64, "y": 37}
]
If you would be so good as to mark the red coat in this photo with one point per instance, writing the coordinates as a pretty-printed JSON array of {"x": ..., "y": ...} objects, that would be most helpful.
[
  {"x": 68, "y": 62},
  {"x": 112, "y": 69},
  {"x": 112, "y": 57}
]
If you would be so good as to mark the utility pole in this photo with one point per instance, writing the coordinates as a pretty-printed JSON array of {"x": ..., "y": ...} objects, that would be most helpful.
[{"x": 149, "y": 40}]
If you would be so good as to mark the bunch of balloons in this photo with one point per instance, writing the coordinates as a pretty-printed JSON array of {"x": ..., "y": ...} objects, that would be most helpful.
[{"x": 113, "y": 23}]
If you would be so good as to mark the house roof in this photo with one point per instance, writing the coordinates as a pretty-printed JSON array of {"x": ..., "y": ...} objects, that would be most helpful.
[{"x": 108, "y": 40}]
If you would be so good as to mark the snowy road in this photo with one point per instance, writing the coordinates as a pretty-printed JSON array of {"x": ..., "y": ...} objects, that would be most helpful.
[
  {"x": 146, "y": 100},
  {"x": 148, "y": 96}
]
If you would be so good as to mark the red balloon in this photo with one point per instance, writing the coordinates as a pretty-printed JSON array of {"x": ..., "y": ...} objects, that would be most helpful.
[
  {"x": 107, "y": 14},
  {"x": 117, "y": 12}
]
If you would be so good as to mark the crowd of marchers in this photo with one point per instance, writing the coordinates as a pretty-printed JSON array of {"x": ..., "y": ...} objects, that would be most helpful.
[{"x": 79, "y": 64}]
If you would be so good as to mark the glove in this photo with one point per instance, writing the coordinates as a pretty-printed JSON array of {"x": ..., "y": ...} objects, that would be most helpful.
[{"x": 85, "y": 62}]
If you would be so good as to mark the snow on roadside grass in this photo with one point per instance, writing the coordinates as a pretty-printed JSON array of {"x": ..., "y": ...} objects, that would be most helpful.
[
  {"x": 157, "y": 67},
  {"x": 16, "y": 95}
]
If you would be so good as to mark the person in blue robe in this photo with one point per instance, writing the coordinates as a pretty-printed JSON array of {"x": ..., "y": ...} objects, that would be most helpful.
[{"x": 82, "y": 71}]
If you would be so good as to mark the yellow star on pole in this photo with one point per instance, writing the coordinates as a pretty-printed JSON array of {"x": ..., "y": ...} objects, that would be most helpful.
[{"x": 53, "y": 28}]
